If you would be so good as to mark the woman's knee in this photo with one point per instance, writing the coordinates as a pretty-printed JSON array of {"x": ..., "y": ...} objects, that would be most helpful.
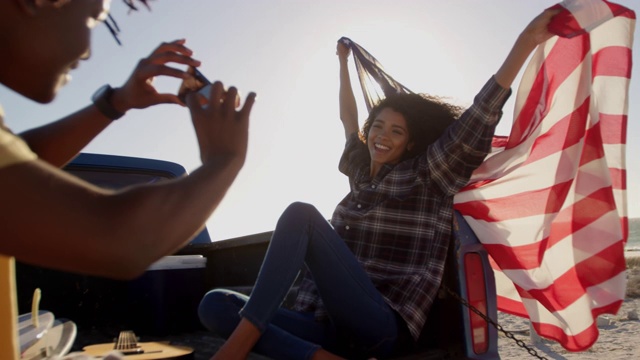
[
  {"x": 300, "y": 214},
  {"x": 297, "y": 219},
  {"x": 218, "y": 310},
  {"x": 299, "y": 209}
]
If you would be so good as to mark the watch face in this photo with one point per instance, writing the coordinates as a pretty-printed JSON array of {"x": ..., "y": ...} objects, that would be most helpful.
[{"x": 100, "y": 92}]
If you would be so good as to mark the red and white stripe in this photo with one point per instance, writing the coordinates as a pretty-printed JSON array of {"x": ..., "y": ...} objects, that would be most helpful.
[{"x": 549, "y": 203}]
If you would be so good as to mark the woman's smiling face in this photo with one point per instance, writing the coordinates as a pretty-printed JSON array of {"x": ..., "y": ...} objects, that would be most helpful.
[{"x": 388, "y": 139}]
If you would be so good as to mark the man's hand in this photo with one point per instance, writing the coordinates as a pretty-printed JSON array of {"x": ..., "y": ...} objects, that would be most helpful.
[
  {"x": 222, "y": 131},
  {"x": 138, "y": 91}
]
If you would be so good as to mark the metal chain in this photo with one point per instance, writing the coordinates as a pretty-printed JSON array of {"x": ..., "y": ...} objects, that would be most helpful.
[{"x": 508, "y": 334}]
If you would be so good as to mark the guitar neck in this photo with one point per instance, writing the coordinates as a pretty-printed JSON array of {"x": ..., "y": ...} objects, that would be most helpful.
[{"x": 128, "y": 344}]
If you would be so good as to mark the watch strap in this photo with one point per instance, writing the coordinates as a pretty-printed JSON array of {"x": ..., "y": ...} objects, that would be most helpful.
[{"x": 102, "y": 100}]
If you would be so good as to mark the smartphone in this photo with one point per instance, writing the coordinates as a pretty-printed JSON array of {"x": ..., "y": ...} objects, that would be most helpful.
[
  {"x": 200, "y": 84},
  {"x": 197, "y": 83}
]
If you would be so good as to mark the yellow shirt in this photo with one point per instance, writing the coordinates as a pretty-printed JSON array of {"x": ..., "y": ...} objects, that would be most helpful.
[{"x": 12, "y": 151}]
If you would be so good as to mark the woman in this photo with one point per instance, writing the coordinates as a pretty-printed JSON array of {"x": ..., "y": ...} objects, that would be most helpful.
[{"x": 371, "y": 275}]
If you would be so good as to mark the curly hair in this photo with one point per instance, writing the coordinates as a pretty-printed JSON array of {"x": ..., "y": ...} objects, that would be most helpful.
[{"x": 427, "y": 117}]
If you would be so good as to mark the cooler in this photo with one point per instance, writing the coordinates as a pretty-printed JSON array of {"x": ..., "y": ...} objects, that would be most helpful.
[{"x": 165, "y": 299}]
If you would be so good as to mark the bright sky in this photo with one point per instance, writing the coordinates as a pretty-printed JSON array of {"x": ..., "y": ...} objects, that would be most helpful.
[{"x": 285, "y": 51}]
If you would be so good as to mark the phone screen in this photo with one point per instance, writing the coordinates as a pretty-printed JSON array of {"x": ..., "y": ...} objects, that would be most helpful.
[{"x": 197, "y": 83}]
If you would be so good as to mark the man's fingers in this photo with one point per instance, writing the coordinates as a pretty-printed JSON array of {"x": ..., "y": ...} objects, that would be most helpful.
[
  {"x": 191, "y": 99},
  {"x": 248, "y": 105},
  {"x": 172, "y": 57},
  {"x": 221, "y": 102},
  {"x": 168, "y": 98},
  {"x": 215, "y": 95},
  {"x": 230, "y": 100},
  {"x": 173, "y": 46}
]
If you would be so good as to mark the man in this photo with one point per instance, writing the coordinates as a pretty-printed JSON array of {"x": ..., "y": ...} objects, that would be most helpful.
[{"x": 55, "y": 220}]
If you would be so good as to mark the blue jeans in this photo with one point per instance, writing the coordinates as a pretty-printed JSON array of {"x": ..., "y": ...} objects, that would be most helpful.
[{"x": 358, "y": 315}]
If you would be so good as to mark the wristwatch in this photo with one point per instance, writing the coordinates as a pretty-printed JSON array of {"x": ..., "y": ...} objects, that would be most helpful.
[{"x": 102, "y": 100}]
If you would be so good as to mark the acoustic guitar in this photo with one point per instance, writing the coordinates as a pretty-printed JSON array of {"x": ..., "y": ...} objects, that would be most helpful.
[{"x": 128, "y": 344}]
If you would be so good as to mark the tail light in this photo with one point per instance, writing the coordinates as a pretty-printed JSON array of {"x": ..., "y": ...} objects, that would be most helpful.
[{"x": 476, "y": 292}]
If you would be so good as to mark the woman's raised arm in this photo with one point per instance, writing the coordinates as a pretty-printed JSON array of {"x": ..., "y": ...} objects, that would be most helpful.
[{"x": 348, "y": 108}]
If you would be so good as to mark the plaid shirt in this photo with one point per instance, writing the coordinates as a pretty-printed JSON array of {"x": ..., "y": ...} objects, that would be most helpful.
[{"x": 399, "y": 223}]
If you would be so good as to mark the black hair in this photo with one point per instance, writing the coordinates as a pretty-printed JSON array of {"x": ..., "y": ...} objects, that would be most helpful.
[
  {"x": 111, "y": 23},
  {"x": 427, "y": 117}
]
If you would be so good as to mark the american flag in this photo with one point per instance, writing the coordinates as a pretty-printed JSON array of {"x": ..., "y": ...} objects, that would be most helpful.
[{"x": 549, "y": 202}]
